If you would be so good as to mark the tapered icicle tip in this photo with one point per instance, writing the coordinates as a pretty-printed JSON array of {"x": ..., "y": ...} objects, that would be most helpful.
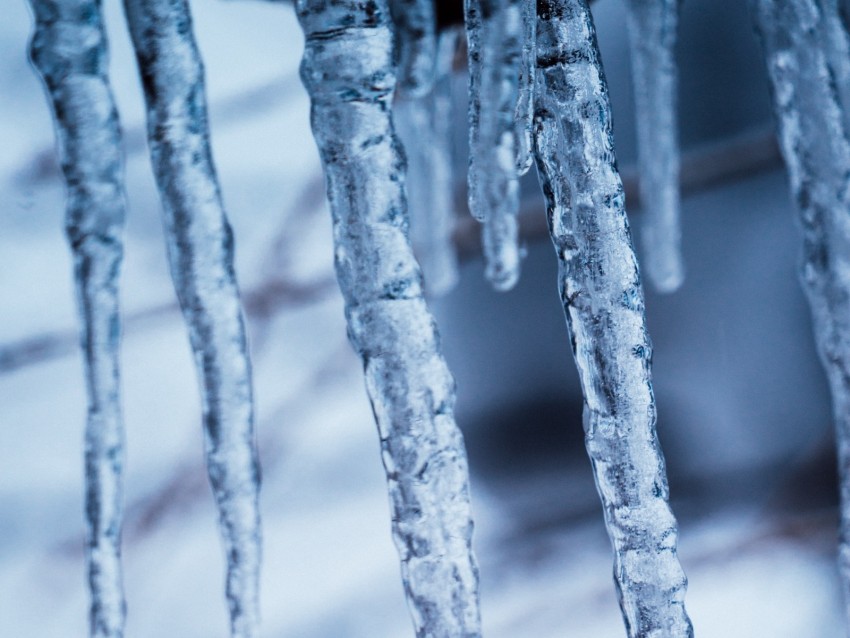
[
  {"x": 665, "y": 271},
  {"x": 652, "y": 27},
  {"x": 498, "y": 119}
]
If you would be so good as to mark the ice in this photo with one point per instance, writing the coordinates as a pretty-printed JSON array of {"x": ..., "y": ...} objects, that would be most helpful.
[
  {"x": 495, "y": 37},
  {"x": 348, "y": 71},
  {"x": 652, "y": 26},
  {"x": 416, "y": 43},
  {"x": 603, "y": 301},
  {"x": 200, "y": 251},
  {"x": 69, "y": 50},
  {"x": 425, "y": 127},
  {"x": 814, "y": 143},
  {"x": 525, "y": 99}
]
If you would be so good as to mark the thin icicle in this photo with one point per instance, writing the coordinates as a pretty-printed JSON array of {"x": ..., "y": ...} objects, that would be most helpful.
[
  {"x": 603, "y": 301},
  {"x": 525, "y": 99},
  {"x": 200, "y": 250},
  {"x": 69, "y": 49},
  {"x": 652, "y": 26},
  {"x": 416, "y": 43},
  {"x": 815, "y": 146},
  {"x": 425, "y": 126},
  {"x": 348, "y": 71},
  {"x": 495, "y": 36}
]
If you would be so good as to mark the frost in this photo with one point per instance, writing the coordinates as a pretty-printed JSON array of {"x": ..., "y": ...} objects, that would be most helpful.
[
  {"x": 348, "y": 71},
  {"x": 70, "y": 52},
  {"x": 603, "y": 302},
  {"x": 200, "y": 251}
]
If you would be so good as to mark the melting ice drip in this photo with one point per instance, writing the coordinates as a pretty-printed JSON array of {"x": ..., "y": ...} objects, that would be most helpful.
[{"x": 69, "y": 50}]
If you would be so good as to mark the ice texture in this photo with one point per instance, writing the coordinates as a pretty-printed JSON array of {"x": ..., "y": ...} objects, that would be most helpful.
[
  {"x": 652, "y": 26},
  {"x": 495, "y": 36},
  {"x": 416, "y": 44},
  {"x": 69, "y": 50},
  {"x": 349, "y": 74},
  {"x": 601, "y": 292},
  {"x": 814, "y": 141},
  {"x": 200, "y": 252},
  {"x": 837, "y": 48},
  {"x": 425, "y": 127},
  {"x": 525, "y": 98}
]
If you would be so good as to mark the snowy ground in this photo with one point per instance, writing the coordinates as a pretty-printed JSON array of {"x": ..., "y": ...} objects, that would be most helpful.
[{"x": 742, "y": 403}]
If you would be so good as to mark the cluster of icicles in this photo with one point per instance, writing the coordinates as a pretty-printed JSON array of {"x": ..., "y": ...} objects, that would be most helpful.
[{"x": 537, "y": 92}]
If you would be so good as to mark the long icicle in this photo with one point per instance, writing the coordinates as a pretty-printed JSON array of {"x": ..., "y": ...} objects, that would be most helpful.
[
  {"x": 495, "y": 37},
  {"x": 69, "y": 49},
  {"x": 815, "y": 146},
  {"x": 348, "y": 71},
  {"x": 603, "y": 301},
  {"x": 416, "y": 43},
  {"x": 425, "y": 126},
  {"x": 652, "y": 27},
  {"x": 200, "y": 250}
]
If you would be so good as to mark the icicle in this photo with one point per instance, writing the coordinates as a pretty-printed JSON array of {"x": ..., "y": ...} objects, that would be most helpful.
[
  {"x": 425, "y": 126},
  {"x": 652, "y": 28},
  {"x": 69, "y": 49},
  {"x": 416, "y": 33},
  {"x": 200, "y": 250},
  {"x": 815, "y": 146},
  {"x": 837, "y": 49},
  {"x": 495, "y": 36},
  {"x": 603, "y": 301},
  {"x": 348, "y": 71},
  {"x": 525, "y": 99}
]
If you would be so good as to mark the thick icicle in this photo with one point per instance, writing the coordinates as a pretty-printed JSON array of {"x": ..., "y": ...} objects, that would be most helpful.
[
  {"x": 69, "y": 49},
  {"x": 603, "y": 300},
  {"x": 348, "y": 71},
  {"x": 495, "y": 36},
  {"x": 815, "y": 146},
  {"x": 525, "y": 99},
  {"x": 425, "y": 126},
  {"x": 416, "y": 43},
  {"x": 652, "y": 26},
  {"x": 200, "y": 250}
]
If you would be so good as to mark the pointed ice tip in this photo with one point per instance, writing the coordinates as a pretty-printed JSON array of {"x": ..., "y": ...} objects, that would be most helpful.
[
  {"x": 668, "y": 281},
  {"x": 503, "y": 279}
]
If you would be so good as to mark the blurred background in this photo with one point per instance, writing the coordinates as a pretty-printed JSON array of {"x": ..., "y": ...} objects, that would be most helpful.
[{"x": 743, "y": 406}]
